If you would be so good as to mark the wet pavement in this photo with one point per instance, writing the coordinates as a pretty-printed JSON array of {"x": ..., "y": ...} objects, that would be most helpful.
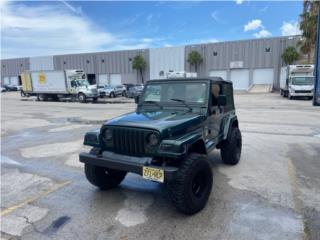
[{"x": 273, "y": 193}]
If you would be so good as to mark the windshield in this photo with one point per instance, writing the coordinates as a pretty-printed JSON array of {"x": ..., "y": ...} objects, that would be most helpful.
[
  {"x": 188, "y": 92},
  {"x": 82, "y": 83},
  {"x": 302, "y": 81}
]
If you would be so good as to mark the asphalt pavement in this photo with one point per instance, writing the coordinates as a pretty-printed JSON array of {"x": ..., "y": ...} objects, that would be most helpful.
[{"x": 273, "y": 193}]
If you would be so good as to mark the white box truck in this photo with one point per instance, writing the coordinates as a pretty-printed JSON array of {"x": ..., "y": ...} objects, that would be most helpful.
[
  {"x": 181, "y": 74},
  {"x": 297, "y": 81},
  {"x": 58, "y": 83}
]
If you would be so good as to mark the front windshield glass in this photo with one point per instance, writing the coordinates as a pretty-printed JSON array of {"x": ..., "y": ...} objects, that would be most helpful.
[
  {"x": 303, "y": 80},
  {"x": 82, "y": 83},
  {"x": 189, "y": 92}
]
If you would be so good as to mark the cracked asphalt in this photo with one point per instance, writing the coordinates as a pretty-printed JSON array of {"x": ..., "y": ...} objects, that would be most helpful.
[{"x": 273, "y": 193}]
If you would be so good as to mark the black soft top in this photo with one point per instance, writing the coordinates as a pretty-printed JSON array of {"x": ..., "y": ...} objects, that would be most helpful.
[{"x": 211, "y": 79}]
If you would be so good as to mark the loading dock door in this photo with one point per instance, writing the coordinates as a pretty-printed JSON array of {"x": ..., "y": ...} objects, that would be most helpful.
[
  {"x": 218, "y": 73},
  {"x": 6, "y": 80},
  {"x": 263, "y": 76},
  {"x": 240, "y": 79},
  {"x": 115, "y": 79},
  {"x": 103, "y": 79},
  {"x": 14, "y": 81}
]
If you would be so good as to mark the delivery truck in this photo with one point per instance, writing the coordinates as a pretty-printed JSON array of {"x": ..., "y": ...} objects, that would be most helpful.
[
  {"x": 55, "y": 84},
  {"x": 297, "y": 81}
]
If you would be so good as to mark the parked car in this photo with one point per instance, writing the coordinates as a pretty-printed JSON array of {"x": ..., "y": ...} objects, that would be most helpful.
[
  {"x": 101, "y": 90},
  {"x": 10, "y": 87},
  {"x": 120, "y": 90},
  {"x": 135, "y": 91},
  {"x": 107, "y": 91},
  {"x": 128, "y": 85}
]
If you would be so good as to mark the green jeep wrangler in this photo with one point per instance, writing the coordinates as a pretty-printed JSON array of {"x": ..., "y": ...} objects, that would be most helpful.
[{"x": 167, "y": 139}]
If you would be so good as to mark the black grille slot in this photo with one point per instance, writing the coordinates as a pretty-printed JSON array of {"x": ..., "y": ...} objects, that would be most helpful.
[
  {"x": 302, "y": 91},
  {"x": 128, "y": 141}
]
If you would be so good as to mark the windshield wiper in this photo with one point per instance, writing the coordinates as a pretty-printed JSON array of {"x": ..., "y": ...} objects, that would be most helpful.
[
  {"x": 153, "y": 102},
  {"x": 182, "y": 101}
]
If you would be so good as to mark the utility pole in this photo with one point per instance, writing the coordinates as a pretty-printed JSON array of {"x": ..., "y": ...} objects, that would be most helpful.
[{"x": 316, "y": 95}]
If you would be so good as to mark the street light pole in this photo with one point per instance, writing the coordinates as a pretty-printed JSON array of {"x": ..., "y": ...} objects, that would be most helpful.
[{"x": 316, "y": 95}]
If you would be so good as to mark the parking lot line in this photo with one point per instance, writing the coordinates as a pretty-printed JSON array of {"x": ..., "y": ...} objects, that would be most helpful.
[{"x": 32, "y": 199}]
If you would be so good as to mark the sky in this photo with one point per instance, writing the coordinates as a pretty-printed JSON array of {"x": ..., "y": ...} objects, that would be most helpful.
[{"x": 61, "y": 27}]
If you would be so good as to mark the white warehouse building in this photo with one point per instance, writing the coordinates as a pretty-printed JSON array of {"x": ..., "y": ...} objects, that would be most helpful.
[{"x": 245, "y": 63}]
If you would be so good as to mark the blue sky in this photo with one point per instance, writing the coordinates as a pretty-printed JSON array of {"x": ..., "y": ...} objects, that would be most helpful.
[{"x": 60, "y": 27}]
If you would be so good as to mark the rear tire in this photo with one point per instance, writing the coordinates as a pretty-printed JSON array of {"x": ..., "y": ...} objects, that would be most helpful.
[
  {"x": 190, "y": 191},
  {"x": 231, "y": 147}
]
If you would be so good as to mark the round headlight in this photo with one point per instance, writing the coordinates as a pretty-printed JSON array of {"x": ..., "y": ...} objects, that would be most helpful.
[
  {"x": 153, "y": 139},
  {"x": 108, "y": 134}
]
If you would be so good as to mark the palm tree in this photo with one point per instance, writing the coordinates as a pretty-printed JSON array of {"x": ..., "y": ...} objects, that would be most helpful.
[
  {"x": 308, "y": 26},
  {"x": 290, "y": 55},
  {"x": 195, "y": 58},
  {"x": 139, "y": 64}
]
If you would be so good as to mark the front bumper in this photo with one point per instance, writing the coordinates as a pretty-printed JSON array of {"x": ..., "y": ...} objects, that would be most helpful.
[
  {"x": 299, "y": 94},
  {"x": 125, "y": 163},
  {"x": 91, "y": 95}
]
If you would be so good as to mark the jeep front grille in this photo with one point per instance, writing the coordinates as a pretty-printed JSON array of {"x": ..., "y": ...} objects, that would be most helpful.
[{"x": 128, "y": 141}]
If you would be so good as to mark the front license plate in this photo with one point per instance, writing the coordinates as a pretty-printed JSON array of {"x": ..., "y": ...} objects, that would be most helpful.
[{"x": 153, "y": 174}]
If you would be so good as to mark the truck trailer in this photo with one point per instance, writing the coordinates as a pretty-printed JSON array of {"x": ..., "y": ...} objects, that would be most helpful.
[
  {"x": 56, "y": 84},
  {"x": 297, "y": 81}
]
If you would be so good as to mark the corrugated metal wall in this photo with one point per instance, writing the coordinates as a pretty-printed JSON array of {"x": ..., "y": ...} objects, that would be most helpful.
[
  {"x": 120, "y": 62},
  {"x": 166, "y": 59},
  {"x": 87, "y": 62},
  {"x": 41, "y": 63},
  {"x": 13, "y": 67},
  {"x": 255, "y": 53}
]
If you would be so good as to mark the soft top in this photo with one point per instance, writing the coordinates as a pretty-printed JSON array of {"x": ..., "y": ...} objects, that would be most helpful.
[{"x": 212, "y": 79}]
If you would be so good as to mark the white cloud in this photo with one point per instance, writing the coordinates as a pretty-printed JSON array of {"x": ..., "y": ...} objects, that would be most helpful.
[
  {"x": 290, "y": 28},
  {"x": 265, "y": 9},
  {"x": 253, "y": 25},
  {"x": 149, "y": 19},
  {"x": 204, "y": 40},
  {"x": 239, "y": 2},
  {"x": 215, "y": 16},
  {"x": 76, "y": 10},
  {"x": 56, "y": 28},
  {"x": 262, "y": 34}
]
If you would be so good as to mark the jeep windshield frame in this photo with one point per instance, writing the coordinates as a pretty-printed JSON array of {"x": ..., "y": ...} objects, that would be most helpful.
[{"x": 194, "y": 93}]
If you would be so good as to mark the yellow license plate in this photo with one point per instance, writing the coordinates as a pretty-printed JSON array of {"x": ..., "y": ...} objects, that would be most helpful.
[{"x": 153, "y": 174}]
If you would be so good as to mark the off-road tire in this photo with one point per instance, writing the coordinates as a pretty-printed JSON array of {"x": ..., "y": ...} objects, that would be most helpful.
[
  {"x": 82, "y": 98},
  {"x": 190, "y": 190},
  {"x": 231, "y": 147},
  {"x": 102, "y": 177}
]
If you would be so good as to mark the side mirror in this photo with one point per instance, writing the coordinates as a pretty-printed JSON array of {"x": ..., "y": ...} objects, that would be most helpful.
[
  {"x": 222, "y": 100},
  {"x": 136, "y": 99}
]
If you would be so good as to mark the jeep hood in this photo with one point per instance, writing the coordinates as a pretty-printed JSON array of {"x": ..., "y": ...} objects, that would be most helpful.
[{"x": 159, "y": 120}]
